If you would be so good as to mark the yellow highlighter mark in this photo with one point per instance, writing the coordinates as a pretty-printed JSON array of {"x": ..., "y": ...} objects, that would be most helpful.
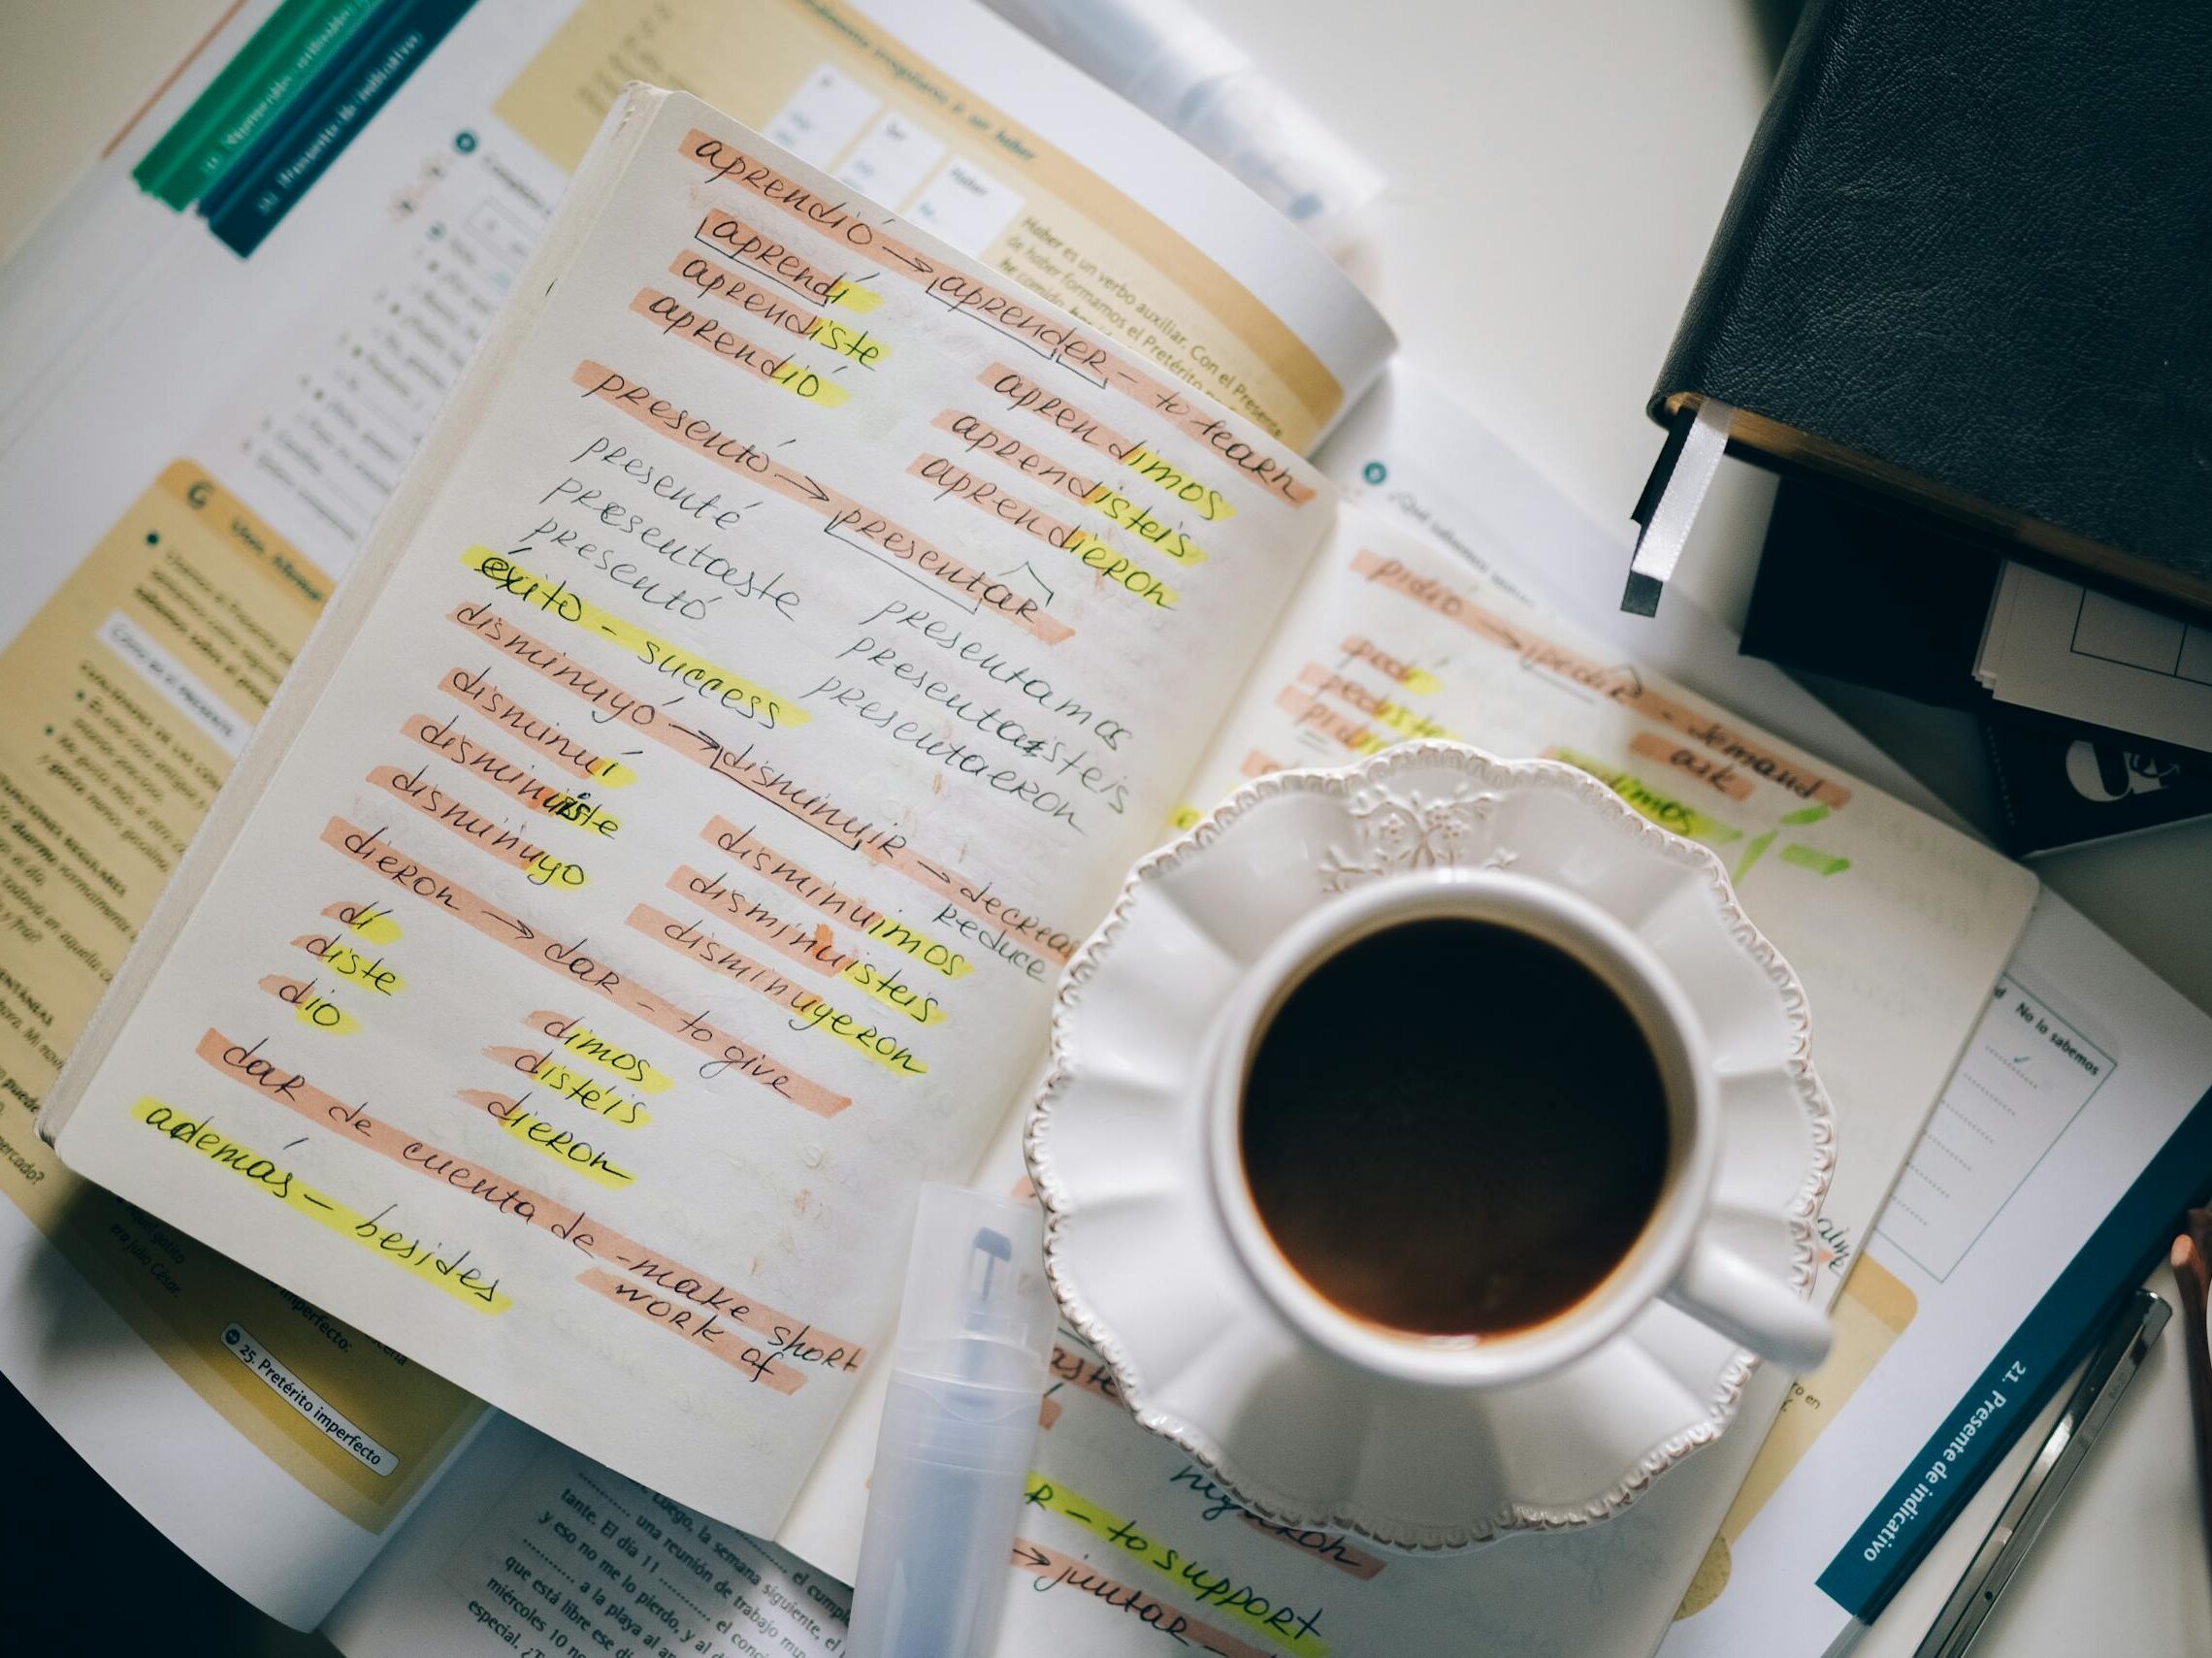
[
  {"x": 1662, "y": 809},
  {"x": 715, "y": 684},
  {"x": 864, "y": 1038},
  {"x": 613, "y": 773},
  {"x": 852, "y": 297},
  {"x": 892, "y": 993},
  {"x": 614, "y": 1060},
  {"x": 312, "y": 1008},
  {"x": 796, "y": 378},
  {"x": 566, "y": 1148},
  {"x": 1156, "y": 532},
  {"x": 858, "y": 343},
  {"x": 348, "y": 963},
  {"x": 1122, "y": 571},
  {"x": 454, "y": 1275},
  {"x": 371, "y": 923},
  {"x": 1418, "y": 680},
  {"x": 896, "y": 934},
  {"x": 1155, "y": 468},
  {"x": 580, "y": 810},
  {"x": 595, "y": 1096},
  {"x": 1287, "y": 1626},
  {"x": 1408, "y": 723},
  {"x": 320, "y": 1013},
  {"x": 546, "y": 870},
  {"x": 1184, "y": 817}
]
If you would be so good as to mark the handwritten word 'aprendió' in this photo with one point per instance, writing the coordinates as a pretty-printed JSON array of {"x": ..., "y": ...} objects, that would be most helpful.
[
  {"x": 441, "y": 1269},
  {"x": 671, "y": 316}
]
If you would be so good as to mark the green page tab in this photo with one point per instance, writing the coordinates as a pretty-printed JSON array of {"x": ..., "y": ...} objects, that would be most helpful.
[{"x": 248, "y": 94}]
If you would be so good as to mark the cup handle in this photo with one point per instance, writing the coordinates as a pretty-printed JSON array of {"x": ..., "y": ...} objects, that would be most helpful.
[{"x": 1725, "y": 1292}]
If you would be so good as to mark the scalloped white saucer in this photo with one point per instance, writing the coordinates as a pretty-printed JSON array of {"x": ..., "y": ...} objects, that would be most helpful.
[{"x": 1144, "y": 1270}]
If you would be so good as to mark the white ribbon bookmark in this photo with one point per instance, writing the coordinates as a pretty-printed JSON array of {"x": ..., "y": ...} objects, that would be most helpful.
[{"x": 1683, "y": 491}]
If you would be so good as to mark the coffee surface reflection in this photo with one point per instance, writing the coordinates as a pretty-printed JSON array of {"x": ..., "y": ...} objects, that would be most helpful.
[{"x": 1454, "y": 1127}]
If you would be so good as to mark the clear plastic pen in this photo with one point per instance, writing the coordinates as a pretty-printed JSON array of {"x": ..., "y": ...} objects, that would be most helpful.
[{"x": 960, "y": 1421}]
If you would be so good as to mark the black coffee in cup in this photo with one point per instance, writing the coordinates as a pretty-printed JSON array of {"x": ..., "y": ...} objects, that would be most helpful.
[{"x": 1452, "y": 1127}]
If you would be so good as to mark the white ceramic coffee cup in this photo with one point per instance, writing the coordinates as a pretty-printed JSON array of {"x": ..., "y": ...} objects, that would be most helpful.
[{"x": 1675, "y": 1257}]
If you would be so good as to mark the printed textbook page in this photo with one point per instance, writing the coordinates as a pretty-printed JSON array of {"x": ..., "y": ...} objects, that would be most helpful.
[
  {"x": 304, "y": 372},
  {"x": 277, "y": 1446},
  {"x": 532, "y": 1550},
  {"x": 953, "y": 119},
  {"x": 2070, "y": 1136},
  {"x": 666, "y": 861}
]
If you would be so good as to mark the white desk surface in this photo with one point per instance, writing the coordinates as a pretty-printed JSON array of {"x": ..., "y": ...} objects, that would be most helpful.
[{"x": 1557, "y": 167}]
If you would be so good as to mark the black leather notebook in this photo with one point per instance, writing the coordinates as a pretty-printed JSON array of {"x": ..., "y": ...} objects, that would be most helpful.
[{"x": 1968, "y": 261}]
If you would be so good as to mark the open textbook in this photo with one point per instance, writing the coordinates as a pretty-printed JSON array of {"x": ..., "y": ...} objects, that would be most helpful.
[
  {"x": 205, "y": 403},
  {"x": 660, "y": 857}
]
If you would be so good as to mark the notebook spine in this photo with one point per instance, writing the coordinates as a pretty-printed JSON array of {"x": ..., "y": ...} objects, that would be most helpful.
[{"x": 1807, "y": 83}]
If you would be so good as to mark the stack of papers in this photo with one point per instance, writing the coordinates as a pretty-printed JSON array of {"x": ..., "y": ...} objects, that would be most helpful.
[{"x": 2054, "y": 645}]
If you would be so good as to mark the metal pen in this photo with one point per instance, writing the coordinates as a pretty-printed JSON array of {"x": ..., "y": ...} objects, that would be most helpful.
[{"x": 2111, "y": 1368}]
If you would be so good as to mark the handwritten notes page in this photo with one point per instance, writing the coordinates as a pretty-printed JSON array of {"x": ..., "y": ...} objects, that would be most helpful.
[
  {"x": 1896, "y": 924},
  {"x": 667, "y": 862}
]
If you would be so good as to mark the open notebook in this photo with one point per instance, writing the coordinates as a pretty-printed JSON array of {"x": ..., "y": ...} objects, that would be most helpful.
[{"x": 661, "y": 856}]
